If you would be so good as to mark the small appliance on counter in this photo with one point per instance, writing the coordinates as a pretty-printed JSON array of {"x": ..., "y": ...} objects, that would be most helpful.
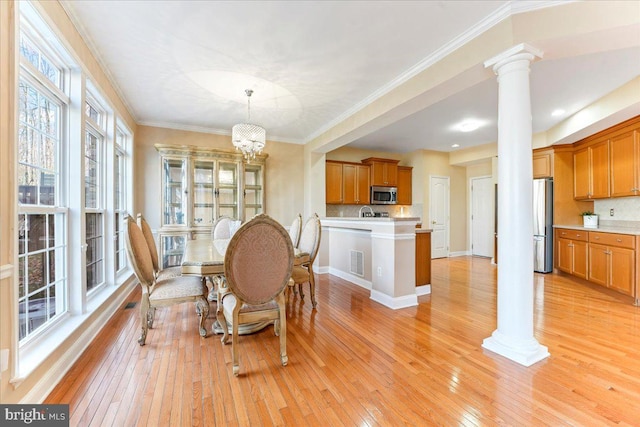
[{"x": 381, "y": 214}]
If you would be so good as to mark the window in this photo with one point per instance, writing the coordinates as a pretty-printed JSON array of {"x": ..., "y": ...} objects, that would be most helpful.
[
  {"x": 42, "y": 217},
  {"x": 93, "y": 192},
  {"x": 120, "y": 199}
]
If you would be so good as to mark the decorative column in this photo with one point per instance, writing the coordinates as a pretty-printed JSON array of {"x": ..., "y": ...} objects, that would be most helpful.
[{"x": 514, "y": 337}]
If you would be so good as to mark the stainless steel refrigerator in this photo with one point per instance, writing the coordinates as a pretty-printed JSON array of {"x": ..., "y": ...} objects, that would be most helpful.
[{"x": 543, "y": 225}]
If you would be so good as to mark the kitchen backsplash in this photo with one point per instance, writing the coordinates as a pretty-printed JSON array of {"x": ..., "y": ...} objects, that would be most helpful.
[
  {"x": 624, "y": 209},
  {"x": 392, "y": 210}
]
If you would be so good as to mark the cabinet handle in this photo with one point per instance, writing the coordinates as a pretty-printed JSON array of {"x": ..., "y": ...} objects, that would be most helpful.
[
  {"x": 563, "y": 233},
  {"x": 597, "y": 237},
  {"x": 618, "y": 240},
  {"x": 577, "y": 235}
]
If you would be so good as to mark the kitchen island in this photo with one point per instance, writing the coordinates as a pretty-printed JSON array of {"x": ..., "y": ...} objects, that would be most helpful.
[{"x": 375, "y": 253}]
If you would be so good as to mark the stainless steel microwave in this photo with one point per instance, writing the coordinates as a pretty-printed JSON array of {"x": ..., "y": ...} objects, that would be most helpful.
[{"x": 384, "y": 195}]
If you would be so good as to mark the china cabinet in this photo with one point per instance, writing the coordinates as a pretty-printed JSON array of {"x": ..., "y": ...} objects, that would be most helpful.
[{"x": 199, "y": 185}]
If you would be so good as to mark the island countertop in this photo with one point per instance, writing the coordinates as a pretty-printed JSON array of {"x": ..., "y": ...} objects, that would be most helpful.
[{"x": 372, "y": 218}]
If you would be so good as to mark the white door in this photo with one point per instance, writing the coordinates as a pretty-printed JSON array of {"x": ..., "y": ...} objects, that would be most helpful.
[
  {"x": 439, "y": 215},
  {"x": 482, "y": 217}
]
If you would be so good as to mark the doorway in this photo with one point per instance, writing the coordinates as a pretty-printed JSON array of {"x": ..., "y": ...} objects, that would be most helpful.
[
  {"x": 439, "y": 215},
  {"x": 482, "y": 216}
]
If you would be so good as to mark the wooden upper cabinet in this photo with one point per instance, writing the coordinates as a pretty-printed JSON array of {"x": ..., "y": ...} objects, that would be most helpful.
[
  {"x": 591, "y": 171},
  {"x": 543, "y": 164},
  {"x": 384, "y": 172},
  {"x": 333, "y": 182},
  {"x": 355, "y": 184},
  {"x": 404, "y": 185},
  {"x": 625, "y": 164}
]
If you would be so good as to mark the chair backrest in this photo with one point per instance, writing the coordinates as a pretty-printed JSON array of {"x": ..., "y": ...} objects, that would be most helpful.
[
  {"x": 310, "y": 237},
  {"x": 151, "y": 243},
  {"x": 259, "y": 260},
  {"x": 222, "y": 228},
  {"x": 138, "y": 252},
  {"x": 295, "y": 230}
]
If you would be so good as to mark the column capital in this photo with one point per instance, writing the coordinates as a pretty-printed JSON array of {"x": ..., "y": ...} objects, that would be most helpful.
[{"x": 520, "y": 51}]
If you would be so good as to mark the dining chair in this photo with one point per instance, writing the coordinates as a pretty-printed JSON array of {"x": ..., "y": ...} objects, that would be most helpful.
[
  {"x": 309, "y": 242},
  {"x": 151, "y": 243},
  {"x": 160, "y": 292},
  {"x": 257, "y": 268},
  {"x": 295, "y": 230},
  {"x": 224, "y": 227}
]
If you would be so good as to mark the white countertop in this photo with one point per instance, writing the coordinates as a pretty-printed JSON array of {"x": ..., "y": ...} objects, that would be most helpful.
[
  {"x": 371, "y": 218},
  {"x": 604, "y": 229}
]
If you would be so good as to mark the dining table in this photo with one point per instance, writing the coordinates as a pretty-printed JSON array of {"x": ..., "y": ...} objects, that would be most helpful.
[{"x": 205, "y": 258}]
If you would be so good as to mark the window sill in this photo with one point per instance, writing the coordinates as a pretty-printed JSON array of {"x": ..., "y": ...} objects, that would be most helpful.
[{"x": 99, "y": 309}]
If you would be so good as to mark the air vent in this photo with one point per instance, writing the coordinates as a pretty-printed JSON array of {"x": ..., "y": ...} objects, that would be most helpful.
[{"x": 357, "y": 263}]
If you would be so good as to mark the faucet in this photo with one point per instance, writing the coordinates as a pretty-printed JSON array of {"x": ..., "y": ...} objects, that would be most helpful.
[{"x": 362, "y": 215}]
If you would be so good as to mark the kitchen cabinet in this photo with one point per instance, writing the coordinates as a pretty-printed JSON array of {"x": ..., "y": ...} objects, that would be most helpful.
[
  {"x": 612, "y": 261},
  {"x": 404, "y": 185},
  {"x": 571, "y": 255},
  {"x": 625, "y": 164},
  {"x": 347, "y": 183},
  {"x": 423, "y": 257},
  {"x": 542, "y": 164},
  {"x": 607, "y": 259},
  {"x": 197, "y": 186},
  {"x": 591, "y": 171},
  {"x": 333, "y": 182},
  {"x": 384, "y": 172},
  {"x": 355, "y": 184}
]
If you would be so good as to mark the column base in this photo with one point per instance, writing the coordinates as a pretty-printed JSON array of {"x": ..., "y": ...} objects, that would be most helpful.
[{"x": 525, "y": 353}]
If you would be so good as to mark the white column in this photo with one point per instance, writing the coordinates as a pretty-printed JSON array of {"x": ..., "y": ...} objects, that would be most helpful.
[{"x": 514, "y": 337}]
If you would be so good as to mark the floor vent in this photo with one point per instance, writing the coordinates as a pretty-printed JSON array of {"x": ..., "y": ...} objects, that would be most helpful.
[
  {"x": 129, "y": 305},
  {"x": 357, "y": 263}
]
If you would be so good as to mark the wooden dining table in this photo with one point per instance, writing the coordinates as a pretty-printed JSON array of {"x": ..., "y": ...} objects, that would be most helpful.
[{"x": 205, "y": 258}]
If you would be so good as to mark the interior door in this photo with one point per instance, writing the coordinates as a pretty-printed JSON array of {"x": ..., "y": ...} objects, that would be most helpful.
[
  {"x": 439, "y": 215},
  {"x": 482, "y": 217}
]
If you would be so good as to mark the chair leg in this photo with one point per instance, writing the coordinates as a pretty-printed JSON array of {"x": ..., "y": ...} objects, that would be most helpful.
[
  {"x": 151, "y": 315},
  {"x": 223, "y": 324},
  {"x": 202, "y": 308},
  {"x": 144, "y": 318},
  {"x": 301, "y": 292},
  {"x": 282, "y": 329},
  {"x": 312, "y": 285},
  {"x": 234, "y": 342}
]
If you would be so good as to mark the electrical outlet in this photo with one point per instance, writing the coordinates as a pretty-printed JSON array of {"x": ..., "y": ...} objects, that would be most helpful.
[
  {"x": 379, "y": 271},
  {"x": 611, "y": 212}
]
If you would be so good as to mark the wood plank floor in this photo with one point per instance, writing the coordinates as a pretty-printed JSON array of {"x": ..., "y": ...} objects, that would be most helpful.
[{"x": 353, "y": 362}]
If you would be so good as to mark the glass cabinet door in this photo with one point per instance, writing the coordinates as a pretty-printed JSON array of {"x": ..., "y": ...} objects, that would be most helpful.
[
  {"x": 253, "y": 191},
  {"x": 175, "y": 191},
  {"x": 228, "y": 189},
  {"x": 203, "y": 193},
  {"x": 171, "y": 250}
]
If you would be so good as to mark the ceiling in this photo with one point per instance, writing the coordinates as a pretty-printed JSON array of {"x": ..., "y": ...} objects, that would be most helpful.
[{"x": 186, "y": 64}]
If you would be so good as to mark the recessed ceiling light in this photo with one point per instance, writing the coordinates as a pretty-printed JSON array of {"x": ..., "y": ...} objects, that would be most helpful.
[
  {"x": 468, "y": 125},
  {"x": 558, "y": 112},
  {"x": 455, "y": 145}
]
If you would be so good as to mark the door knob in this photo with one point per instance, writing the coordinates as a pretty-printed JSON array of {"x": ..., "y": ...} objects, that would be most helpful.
[{"x": 433, "y": 222}]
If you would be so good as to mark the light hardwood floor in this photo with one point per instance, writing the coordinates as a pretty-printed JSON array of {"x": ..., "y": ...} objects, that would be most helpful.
[{"x": 354, "y": 362}]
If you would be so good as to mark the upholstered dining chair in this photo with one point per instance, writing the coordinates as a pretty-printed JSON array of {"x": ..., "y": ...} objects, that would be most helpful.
[
  {"x": 309, "y": 242},
  {"x": 224, "y": 227},
  {"x": 160, "y": 292},
  {"x": 295, "y": 230},
  {"x": 153, "y": 251},
  {"x": 257, "y": 268}
]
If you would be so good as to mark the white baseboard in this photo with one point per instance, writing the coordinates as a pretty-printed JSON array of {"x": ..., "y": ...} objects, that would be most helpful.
[
  {"x": 394, "y": 302},
  {"x": 423, "y": 290},
  {"x": 350, "y": 278},
  {"x": 459, "y": 253}
]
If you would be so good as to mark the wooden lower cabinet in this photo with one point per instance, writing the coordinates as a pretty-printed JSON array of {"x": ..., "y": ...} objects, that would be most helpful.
[
  {"x": 423, "y": 257},
  {"x": 606, "y": 259},
  {"x": 572, "y": 252}
]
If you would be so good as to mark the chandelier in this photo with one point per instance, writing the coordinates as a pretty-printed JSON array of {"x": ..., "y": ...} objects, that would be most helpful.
[{"x": 248, "y": 138}]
